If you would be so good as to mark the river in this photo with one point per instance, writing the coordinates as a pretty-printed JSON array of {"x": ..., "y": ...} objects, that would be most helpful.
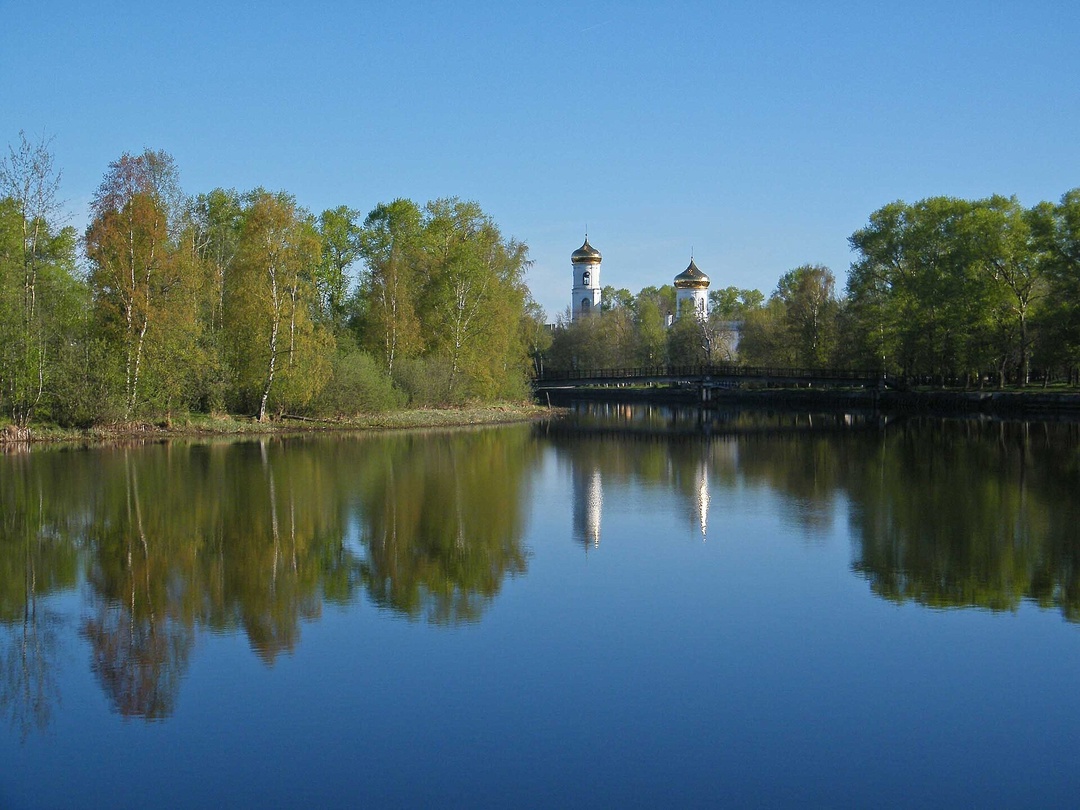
[{"x": 635, "y": 606}]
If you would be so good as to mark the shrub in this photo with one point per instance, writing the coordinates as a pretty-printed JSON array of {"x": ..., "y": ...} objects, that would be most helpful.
[{"x": 357, "y": 385}]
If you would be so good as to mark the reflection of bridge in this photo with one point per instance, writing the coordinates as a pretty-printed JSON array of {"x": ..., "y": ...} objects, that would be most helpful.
[{"x": 706, "y": 378}]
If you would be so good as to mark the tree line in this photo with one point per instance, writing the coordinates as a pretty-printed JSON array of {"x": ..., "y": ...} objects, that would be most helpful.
[
  {"x": 247, "y": 302},
  {"x": 950, "y": 291}
]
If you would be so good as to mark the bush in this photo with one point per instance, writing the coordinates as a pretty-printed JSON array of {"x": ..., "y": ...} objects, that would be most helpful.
[
  {"x": 358, "y": 385},
  {"x": 426, "y": 382},
  {"x": 88, "y": 387}
]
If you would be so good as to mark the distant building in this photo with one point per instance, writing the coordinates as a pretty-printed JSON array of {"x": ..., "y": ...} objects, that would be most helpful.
[
  {"x": 586, "y": 296},
  {"x": 691, "y": 286},
  {"x": 692, "y": 291}
]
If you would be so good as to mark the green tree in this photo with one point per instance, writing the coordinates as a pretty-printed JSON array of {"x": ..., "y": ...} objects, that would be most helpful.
[
  {"x": 653, "y": 308},
  {"x": 688, "y": 340},
  {"x": 140, "y": 279},
  {"x": 38, "y": 290},
  {"x": 1057, "y": 230},
  {"x": 764, "y": 340},
  {"x": 537, "y": 333},
  {"x": 341, "y": 248},
  {"x": 276, "y": 346},
  {"x": 611, "y": 298},
  {"x": 810, "y": 310},
  {"x": 1007, "y": 253},
  {"x": 213, "y": 237},
  {"x": 916, "y": 289},
  {"x": 390, "y": 246},
  {"x": 473, "y": 297},
  {"x": 732, "y": 303}
]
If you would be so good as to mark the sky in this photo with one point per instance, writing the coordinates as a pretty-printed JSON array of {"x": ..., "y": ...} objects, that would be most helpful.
[{"x": 756, "y": 136}]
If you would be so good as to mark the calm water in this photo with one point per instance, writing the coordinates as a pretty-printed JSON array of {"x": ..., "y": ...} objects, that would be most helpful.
[{"x": 634, "y": 608}]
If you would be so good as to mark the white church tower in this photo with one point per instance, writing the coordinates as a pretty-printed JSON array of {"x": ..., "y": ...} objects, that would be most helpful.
[
  {"x": 692, "y": 291},
  {"x": 586, "y": 296}
]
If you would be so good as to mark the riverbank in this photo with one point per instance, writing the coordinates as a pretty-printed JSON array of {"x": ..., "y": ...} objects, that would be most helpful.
[{"x": 224, "y": 425}]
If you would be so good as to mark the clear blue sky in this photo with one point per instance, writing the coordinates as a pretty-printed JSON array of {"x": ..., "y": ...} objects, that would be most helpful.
[{"x": 761, "y": 135}]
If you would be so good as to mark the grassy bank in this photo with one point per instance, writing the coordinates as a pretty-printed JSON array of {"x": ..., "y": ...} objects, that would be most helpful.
[{"x": 197, "y": 425}]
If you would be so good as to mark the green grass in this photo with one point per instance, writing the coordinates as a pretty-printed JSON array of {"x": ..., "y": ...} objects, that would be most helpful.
[{"x": 195, "y": 425}]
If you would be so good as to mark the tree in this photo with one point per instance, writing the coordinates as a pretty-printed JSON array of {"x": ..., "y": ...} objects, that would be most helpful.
[
  {"x": 136, "y": 269},
  {"x": 688, "y": 340},
  {"x": 215, "y": 220},
  {"x": 472, "y": 299},
  {"x": 654, "y": 307},
  {"x": 810, "y": 310},
  {"x": 732, "y": 304},
  {"x": 276, "y": 346},
  {"x": 389, "y": 245},
  {"x": 537, "y": 333},
  {"x": 37, "y": 281},
  {"x": 341, "y": 247},
  {"x": 765, "y": 340},
  {"x": 213, "y": 233},
  {"x": 1006, "y": 253},
  {"x": 916, "y": 291},
  {"x": 611, "y": 298},
  {"x": 1057, "y": 229}
]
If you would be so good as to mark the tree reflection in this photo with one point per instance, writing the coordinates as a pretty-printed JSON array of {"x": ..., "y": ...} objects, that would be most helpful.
[
  {"x": 36, "y": 560},
  {"x": 971, "y": 514},
  {"x": 443, "y": 521},
  {"x": 251, "y": 537}
]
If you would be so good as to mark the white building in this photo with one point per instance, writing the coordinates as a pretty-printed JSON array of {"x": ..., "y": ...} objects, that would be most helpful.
[
  {"x": 586, "y": 296},
  {"x": 692, "y": 290}
]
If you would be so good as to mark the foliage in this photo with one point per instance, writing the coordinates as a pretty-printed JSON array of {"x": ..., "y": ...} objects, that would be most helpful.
[
  {"x": 444, "y": 286},
  {"x": 142, "y": 282},
  {"x": 358, "y": 385},
  {"x": 341, "y": 248},
  {"x": 240, "y": 300},
  {"x": 279, "y": 356},
  {"x": 39, "y": 292},
  {"x": 949, "y": 287}
]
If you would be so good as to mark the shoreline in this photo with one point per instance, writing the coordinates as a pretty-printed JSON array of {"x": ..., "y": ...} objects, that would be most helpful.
[{"x": 228, "y": 425}]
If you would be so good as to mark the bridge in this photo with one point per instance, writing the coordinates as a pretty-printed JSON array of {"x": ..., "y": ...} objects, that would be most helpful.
[{"x": 707, "y": 377}]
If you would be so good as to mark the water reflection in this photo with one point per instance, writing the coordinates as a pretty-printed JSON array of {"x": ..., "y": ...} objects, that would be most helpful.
[
  {"x": 443, "y": 520},
  {"x": 255, "y": 537},
  {"x": 252, "y": 536},
  {"x": 36, "y": 559},
  {"x": 944, "y": 513}
]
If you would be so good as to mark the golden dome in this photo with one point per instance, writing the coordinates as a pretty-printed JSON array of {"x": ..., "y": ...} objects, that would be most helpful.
[
  {"x": 691, "y": 279},
  {"x": 586, "y": 254}
]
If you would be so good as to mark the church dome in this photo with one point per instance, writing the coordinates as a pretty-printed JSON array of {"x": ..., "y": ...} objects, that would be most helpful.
[
  {"x": 691, "y": 279},
  {"x": 586, "y": 254}
]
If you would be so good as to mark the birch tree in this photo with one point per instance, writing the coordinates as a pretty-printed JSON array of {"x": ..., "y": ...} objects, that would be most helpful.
[
  {"x": 389, "y": 246},
  {"x": 36, "y": 276},
  {"x": 278, "y": 355},
  {"x": 132, "y": 251},
  {"x": 473, "y": 297}
]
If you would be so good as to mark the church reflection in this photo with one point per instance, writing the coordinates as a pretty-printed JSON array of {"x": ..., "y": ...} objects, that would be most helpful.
[
  {"x": 588, "y": 504},
  {"x": 681, "y": 469}
]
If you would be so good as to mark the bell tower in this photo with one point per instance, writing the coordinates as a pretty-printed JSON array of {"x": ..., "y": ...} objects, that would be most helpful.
[
  {"x": 586, "y": 295},
  {"x": 692, "y": 291}
]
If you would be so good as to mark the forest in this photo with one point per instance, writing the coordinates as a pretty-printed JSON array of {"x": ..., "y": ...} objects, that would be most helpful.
[
  {"x": 246, "y": 302},
  {"x": 946, "y": 291}
]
